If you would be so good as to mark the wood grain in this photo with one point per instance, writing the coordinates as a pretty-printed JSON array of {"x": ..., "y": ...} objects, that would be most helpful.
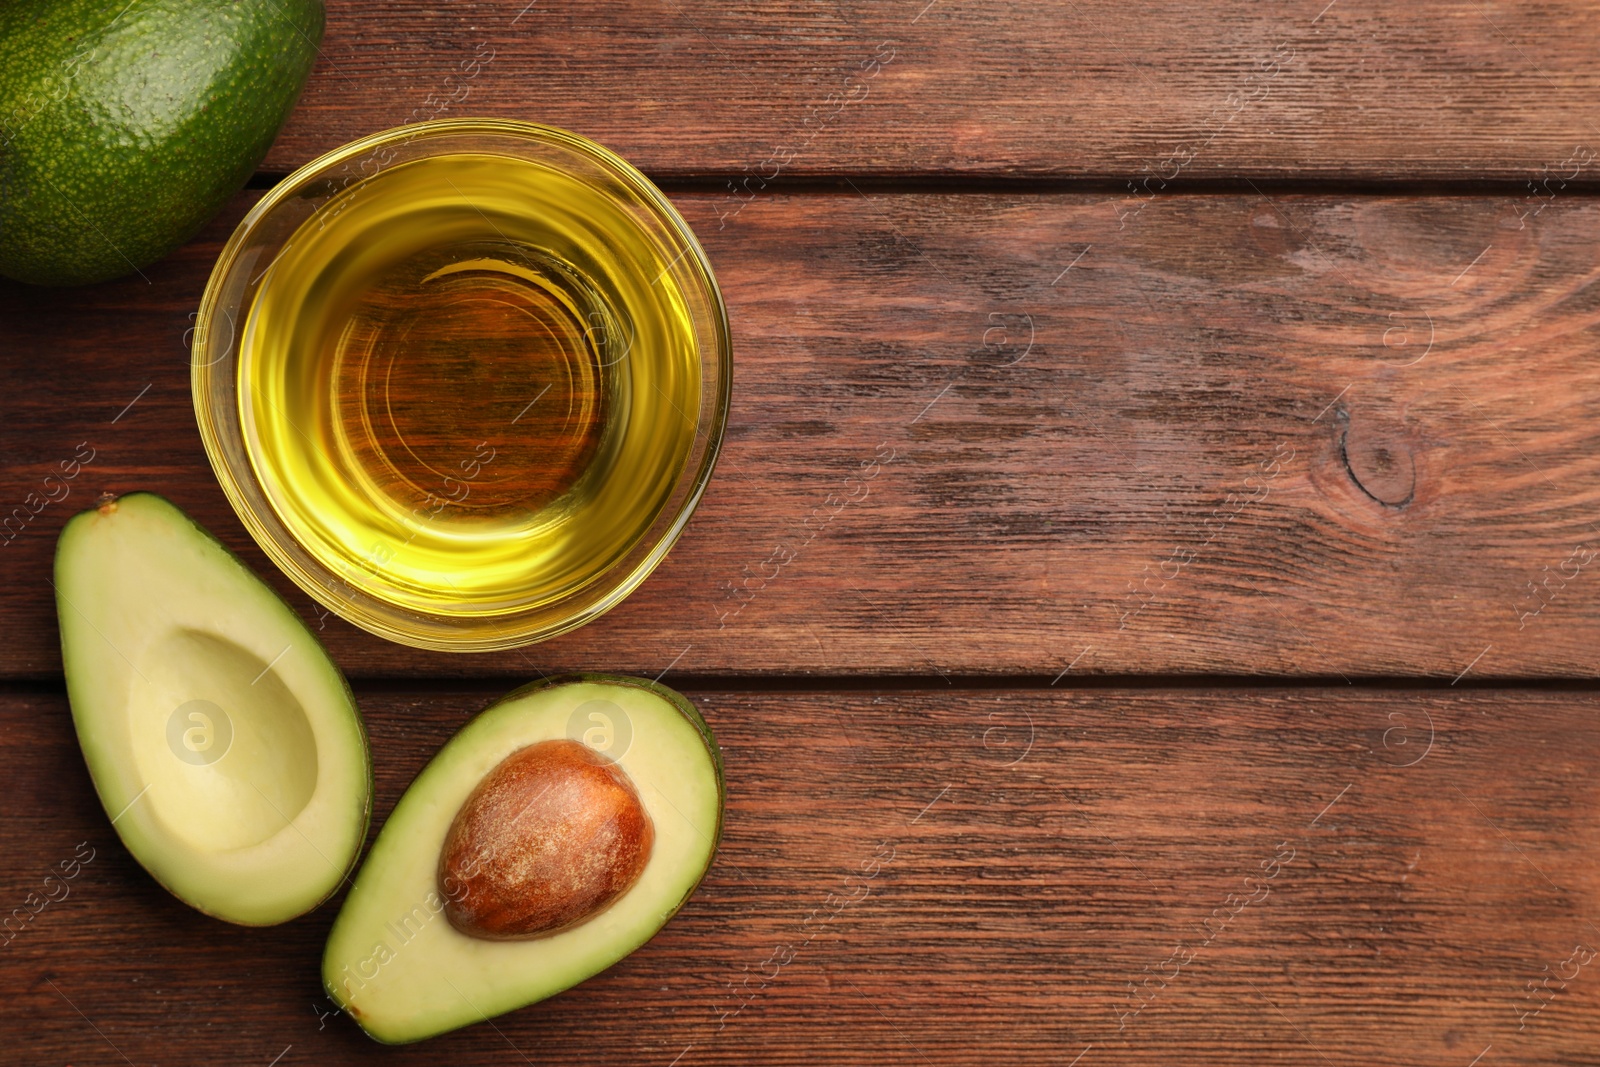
[
  {"x": 1002, "y": 472},
  {"x": 1036, "y": 852},
  {"x": 1309, "y": 436},
  {"x": 772, "y": 89}
]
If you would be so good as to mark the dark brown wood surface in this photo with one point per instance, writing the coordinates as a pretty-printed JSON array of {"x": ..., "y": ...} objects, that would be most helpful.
[
  {"x": 1163, "y": 454},
  {"x": 1286, "y": 435},
  {"x": 776, "y": 88},
  {"x": 1289, "y": 876}
]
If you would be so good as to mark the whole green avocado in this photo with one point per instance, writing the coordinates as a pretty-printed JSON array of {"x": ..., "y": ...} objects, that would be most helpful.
[{"x": 126, "y": 125}]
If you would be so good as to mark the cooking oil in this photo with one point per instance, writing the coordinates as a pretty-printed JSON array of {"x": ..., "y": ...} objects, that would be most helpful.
[{"x": 469, "y": 383}]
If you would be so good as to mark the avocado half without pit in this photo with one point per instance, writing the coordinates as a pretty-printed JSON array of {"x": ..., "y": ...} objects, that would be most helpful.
[
  {"x": 223, "y": 742},
  {"x": 553, "y": 835}
]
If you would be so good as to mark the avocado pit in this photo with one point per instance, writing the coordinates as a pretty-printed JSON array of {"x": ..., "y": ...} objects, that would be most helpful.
[{"x": 547, "y": 840}]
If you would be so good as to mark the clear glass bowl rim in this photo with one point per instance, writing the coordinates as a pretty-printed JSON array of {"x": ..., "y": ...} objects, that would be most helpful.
[{"x": 215, "y": 379}]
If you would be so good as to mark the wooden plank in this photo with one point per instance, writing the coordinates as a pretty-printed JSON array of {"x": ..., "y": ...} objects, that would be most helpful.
[
  {"x": 774, "y": 88},
  {"x": 1286, "y": 876},
  {"x": 1291, "y": 436}
]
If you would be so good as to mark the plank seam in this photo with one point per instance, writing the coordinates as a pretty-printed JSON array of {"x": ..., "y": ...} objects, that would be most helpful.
[{"x": 888, "y": 184}]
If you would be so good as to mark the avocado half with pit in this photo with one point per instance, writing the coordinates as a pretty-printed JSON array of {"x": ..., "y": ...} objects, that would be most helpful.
[
  {"x": 553, "y": 835},
  {"x": 223, "y": 742}
]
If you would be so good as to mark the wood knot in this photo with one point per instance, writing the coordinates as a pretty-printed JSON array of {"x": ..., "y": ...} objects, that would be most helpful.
[
  {"x": 1379, "y": 459},
  {"x": 1269, "y": 233}
]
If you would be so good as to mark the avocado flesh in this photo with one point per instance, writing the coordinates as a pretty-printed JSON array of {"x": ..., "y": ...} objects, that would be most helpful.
[
  {"x": 125, "y": 126},
  {"x": 254, "y": 811},
  {"x": 403, "y": 972}
]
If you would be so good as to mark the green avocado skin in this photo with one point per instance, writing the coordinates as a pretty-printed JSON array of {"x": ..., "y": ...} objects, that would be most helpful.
[{"x": 125, "y": 126}]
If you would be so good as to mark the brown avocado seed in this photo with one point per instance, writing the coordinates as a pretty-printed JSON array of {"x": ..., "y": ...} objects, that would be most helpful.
[{"x": 546, "y": 841}]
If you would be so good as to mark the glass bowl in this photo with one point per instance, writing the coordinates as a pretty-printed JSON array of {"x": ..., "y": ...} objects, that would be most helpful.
[{"x": 248, "y": 343}]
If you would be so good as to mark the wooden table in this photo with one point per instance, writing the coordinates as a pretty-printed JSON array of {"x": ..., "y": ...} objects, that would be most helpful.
[{"x": 1209, "y": 669}]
